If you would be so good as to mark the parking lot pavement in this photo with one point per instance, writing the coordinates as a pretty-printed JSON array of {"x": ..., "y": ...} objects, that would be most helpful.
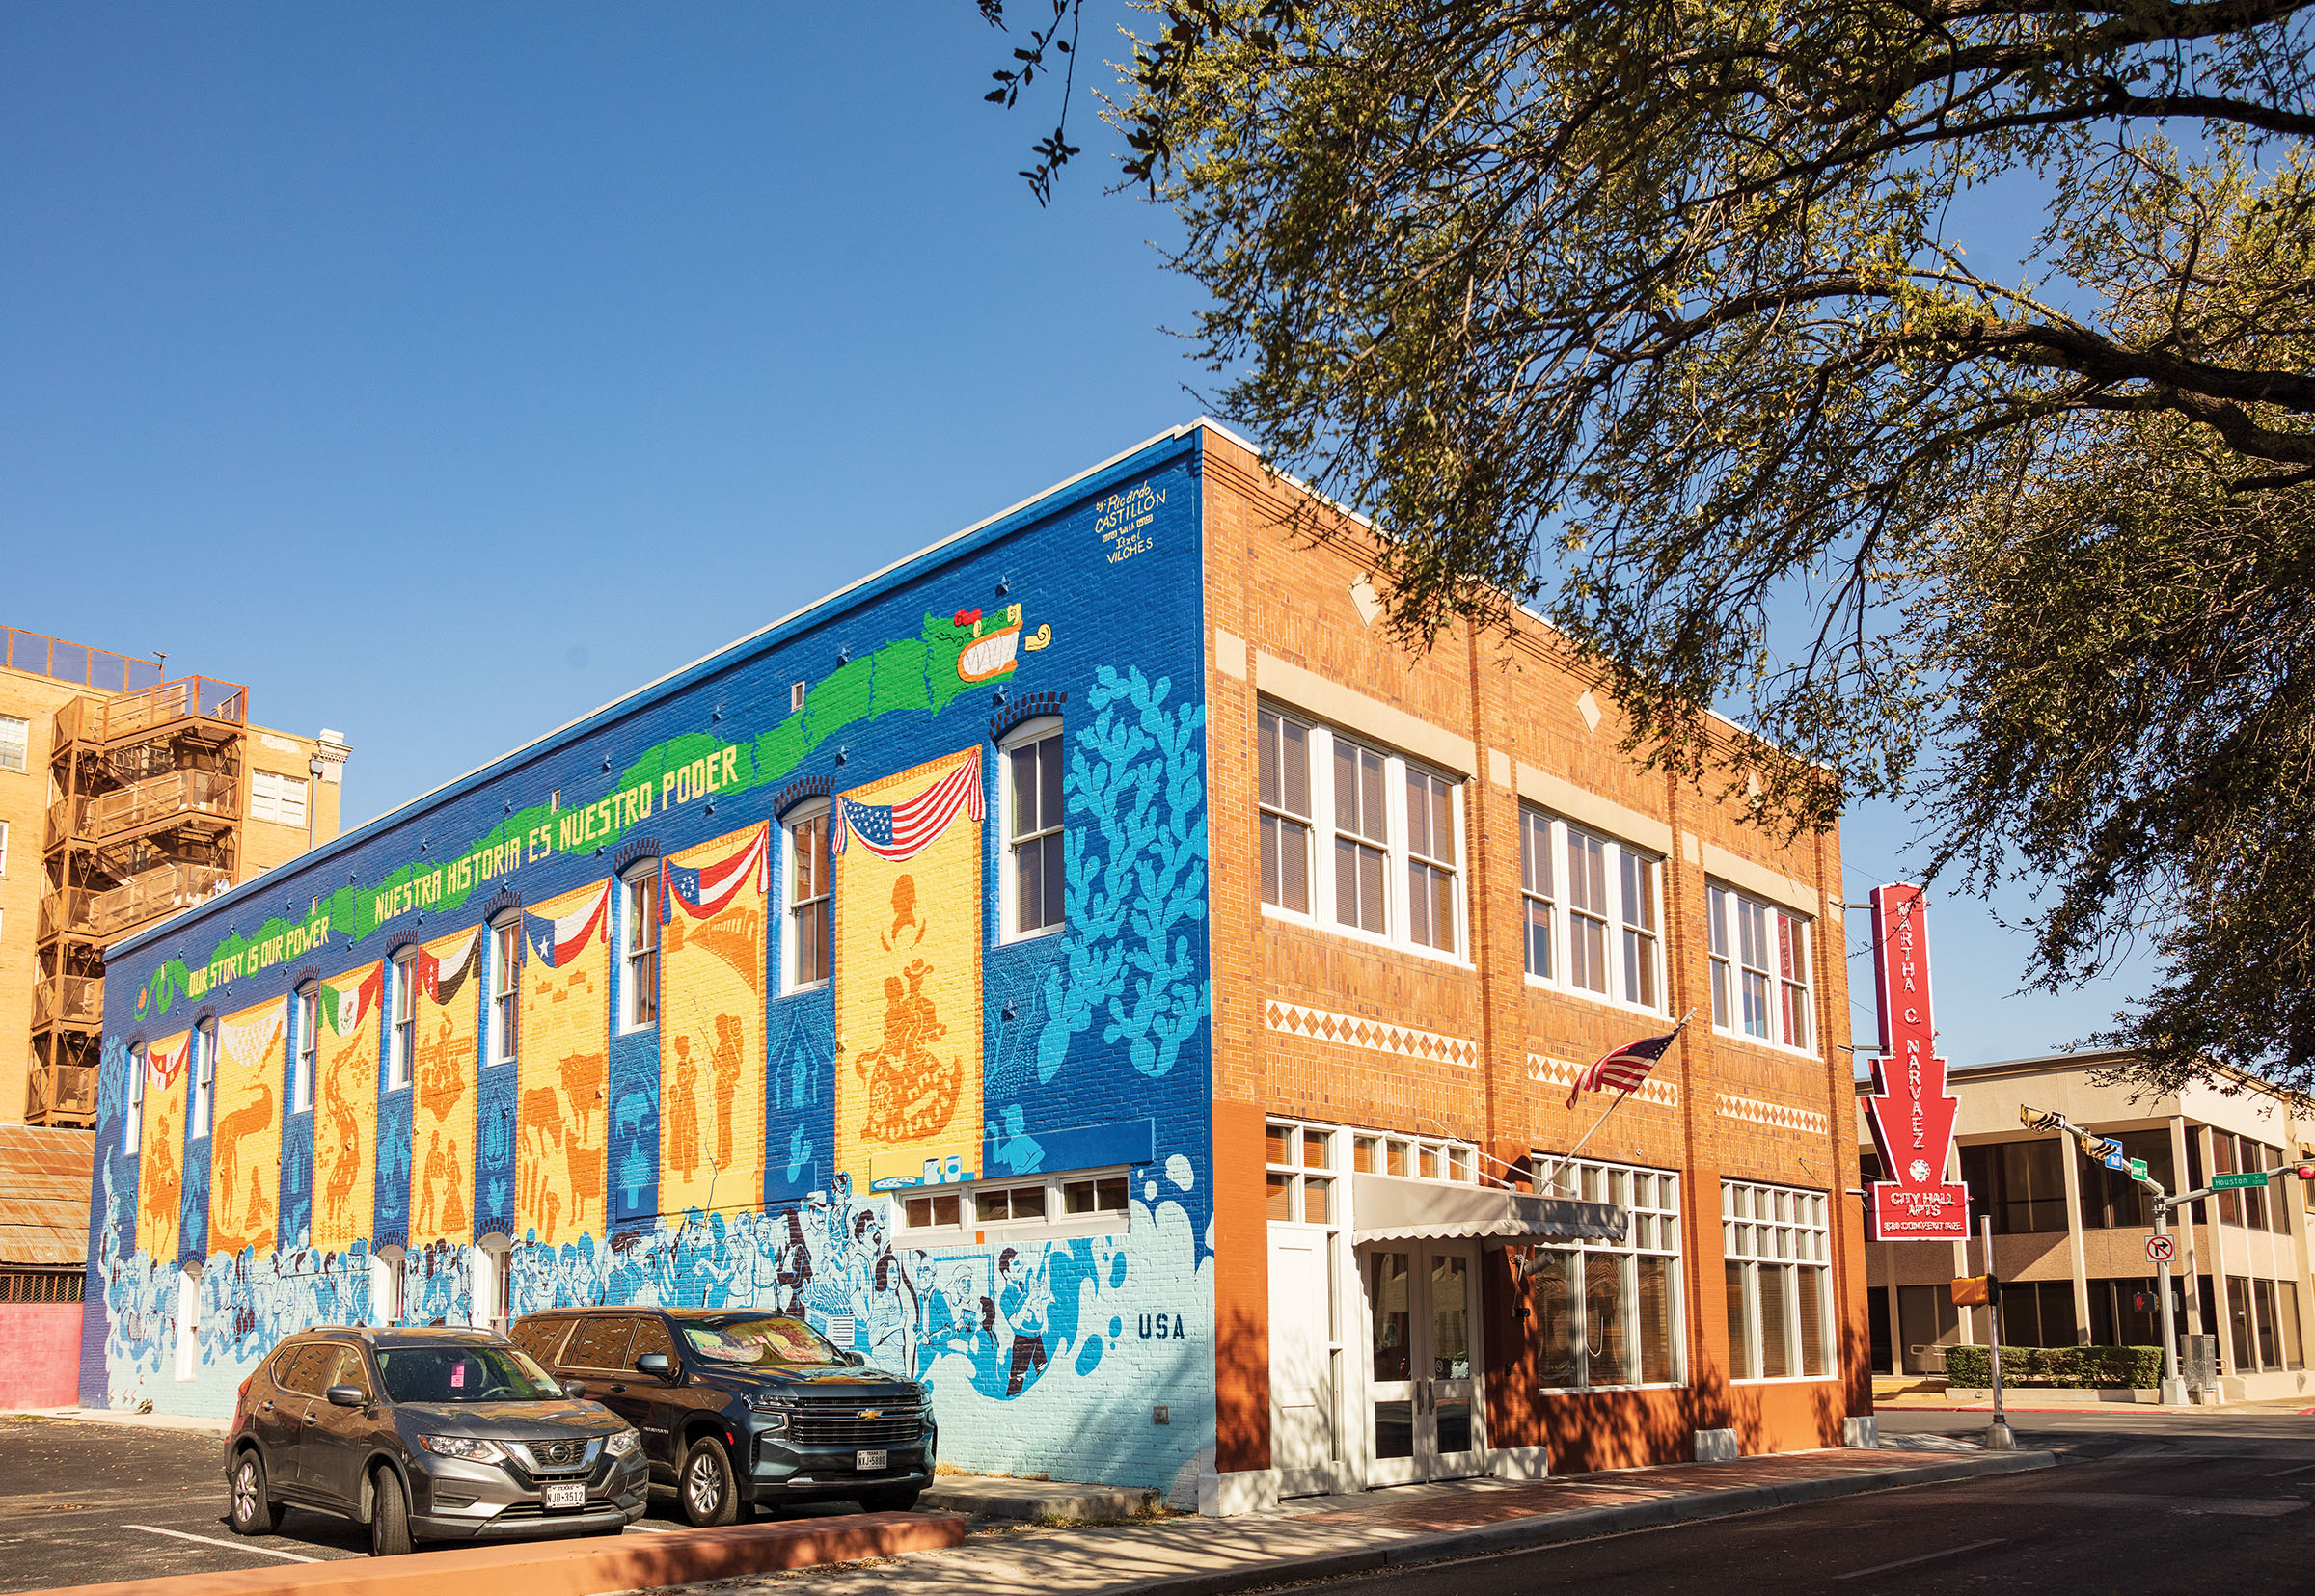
[{"x": 85, "y": 1501}]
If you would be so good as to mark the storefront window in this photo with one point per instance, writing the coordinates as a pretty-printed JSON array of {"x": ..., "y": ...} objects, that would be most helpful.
[
  {"x": 1606, "y": 1313},
  {"x": 1778, "y": 1243}
]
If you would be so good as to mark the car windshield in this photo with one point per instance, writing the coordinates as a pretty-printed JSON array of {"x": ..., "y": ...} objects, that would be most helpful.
[
  {"x": 770, "y": 1339},
  {"x": 464, "y": 1374}
]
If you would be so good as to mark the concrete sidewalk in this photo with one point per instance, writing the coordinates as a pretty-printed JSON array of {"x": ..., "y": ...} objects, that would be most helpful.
[
  {"x": 123, "y": 1417},
  {"x": 1325, "y": 1537}
]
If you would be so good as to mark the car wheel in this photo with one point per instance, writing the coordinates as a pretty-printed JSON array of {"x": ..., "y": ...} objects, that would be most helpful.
[
  {"x": 252, "y": 1513},
  {"x": 704, "y": 1489},
  {"x": 891, "y": 1502},
  {"x": 389, "y": 1517}
]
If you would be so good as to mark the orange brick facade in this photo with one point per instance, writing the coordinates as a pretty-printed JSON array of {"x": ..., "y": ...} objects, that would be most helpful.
[{"x": 1280, "y": 600}]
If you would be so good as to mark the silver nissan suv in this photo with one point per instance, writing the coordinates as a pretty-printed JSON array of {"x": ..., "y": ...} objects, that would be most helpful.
[{"x": 427, "y": 1435}]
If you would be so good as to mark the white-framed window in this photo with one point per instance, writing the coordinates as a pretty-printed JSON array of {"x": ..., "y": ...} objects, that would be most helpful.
[
  {"x": 1759, "y": 969},
  {"x": 402, "y": 1032},
  {"x": 1607, "y": 1313},
  {"x": 15, "y": 742},
  {"x": 386, "y": 1285},
  {"x": 506, "y": 988},
  {"x": 1778, "y": 1250},
  {"x": 277, "y": 798},
  {"x": 1356, "y": 838},
  {"x": 1413, "y": 1158},
  {"x": 1034, "y": 877},
  {"x": 805, "y": 870},
  {"x": 1071, "y": 1203},
  {"x": 1282, "y": 776},
  {"x": 3, "y": 847},
  {"x": 305, "y": 1044},
  {"x": 639, "y": 948},
  {"x": 204, "y": 1079},
  {"x": 1299, "y": 1181},
  {"x": 188, "y": 1319},
  {"x": 1593, "y": 912},
  {"x": 132, "y": 1119}
]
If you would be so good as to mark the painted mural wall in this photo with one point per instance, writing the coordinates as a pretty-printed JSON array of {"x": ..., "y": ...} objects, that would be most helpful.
[{"x": 683, "y": 1119}]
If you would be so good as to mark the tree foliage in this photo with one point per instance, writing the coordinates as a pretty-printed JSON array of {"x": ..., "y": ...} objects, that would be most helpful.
[{"x": 1653, "y": 315}]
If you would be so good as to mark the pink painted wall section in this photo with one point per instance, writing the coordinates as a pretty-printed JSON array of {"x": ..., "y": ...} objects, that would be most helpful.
[{"x": 40, "y": 1354}]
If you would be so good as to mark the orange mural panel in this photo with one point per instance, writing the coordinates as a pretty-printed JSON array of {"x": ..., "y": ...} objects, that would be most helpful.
[
  {"x": 562, "y": 1069},
  {"x": 346, "y": 1111},
  {"x": 711, "y": 1024},
  {"x": 245, "y": 1149},
  {"x": 161, "y": 1147},
  {"x": 443, "y": 1063}
]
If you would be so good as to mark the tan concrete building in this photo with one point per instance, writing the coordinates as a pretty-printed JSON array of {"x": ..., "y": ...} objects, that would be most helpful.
[
  {"x": 124, "y": 798},
  {"x": 2070, "y": 1237}
]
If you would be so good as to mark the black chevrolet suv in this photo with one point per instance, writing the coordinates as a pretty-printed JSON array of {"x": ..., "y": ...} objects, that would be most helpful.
[{"x": 738, "y": 1406}]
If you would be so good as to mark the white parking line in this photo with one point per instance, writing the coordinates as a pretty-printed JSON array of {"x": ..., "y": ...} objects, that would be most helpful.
[
  {"x": 651, "y": 1529},
  {"x": 229, "y": 1546},
  {"x": 1924, "y": 1557},
  {"x": 2286, "y": 1473}
]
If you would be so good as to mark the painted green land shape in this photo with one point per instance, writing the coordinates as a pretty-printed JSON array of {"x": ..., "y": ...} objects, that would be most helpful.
[{"x": 908, "y": 673}]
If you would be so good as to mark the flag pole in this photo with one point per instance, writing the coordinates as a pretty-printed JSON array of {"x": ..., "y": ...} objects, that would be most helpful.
[{"x": 1562, "y": 1162}]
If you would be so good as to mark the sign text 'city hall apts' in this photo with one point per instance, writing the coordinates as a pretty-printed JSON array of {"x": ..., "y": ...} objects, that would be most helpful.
[{"x": 1912, "y": 1115}]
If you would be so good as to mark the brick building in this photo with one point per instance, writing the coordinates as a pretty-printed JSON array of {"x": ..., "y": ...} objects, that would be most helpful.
[{"x": 1085, "y": 965}]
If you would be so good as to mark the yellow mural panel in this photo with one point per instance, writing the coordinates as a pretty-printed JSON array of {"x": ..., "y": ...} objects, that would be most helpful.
[
  {"x": 444, "y": 1064},
  {"x": 161, "y": 1147},
  {"x": 346, "y": 1111},
  {"x": 711, "y": 1024},
  {"x": 245, "y": 1149},
  {"x": 908, "y": 973},
  {"x": 562, "y": 1069}
]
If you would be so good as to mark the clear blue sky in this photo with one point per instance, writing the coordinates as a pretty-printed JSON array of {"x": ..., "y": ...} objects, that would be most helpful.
[{"x": 444, "y": 371}]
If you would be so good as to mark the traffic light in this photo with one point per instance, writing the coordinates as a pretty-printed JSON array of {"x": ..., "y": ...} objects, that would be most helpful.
[
  {"x": 1973, "y": 1290},
  {"x": 2305, "y": 1172}
]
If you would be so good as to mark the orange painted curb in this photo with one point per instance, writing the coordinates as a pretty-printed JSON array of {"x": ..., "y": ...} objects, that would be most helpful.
[{"x": 586, "y": 1566}]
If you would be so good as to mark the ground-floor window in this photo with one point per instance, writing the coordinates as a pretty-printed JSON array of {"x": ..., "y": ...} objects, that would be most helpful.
[
  {"x": 1777, "y": 1242},
  {"x": 2263, "y": 1316},
  {"x": 2038, "y": 1313},
  {"x": 1607, "y": 1313},
  {"x": 2129, "y": 1312}
]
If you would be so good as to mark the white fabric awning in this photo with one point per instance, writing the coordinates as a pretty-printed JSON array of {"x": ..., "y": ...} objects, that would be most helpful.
[{"x": 1390, "y": 1207}]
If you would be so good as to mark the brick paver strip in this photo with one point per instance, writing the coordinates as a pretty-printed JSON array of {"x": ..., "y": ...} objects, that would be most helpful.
[
  {"x": 1194, "y": 1556},
  {"x": 583, "y": 1567}
]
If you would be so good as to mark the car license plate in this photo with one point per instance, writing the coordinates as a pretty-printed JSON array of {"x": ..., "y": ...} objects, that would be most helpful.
[
  {"x": 573, "y": 1495},
  {"x": 865, "y": 1461}
]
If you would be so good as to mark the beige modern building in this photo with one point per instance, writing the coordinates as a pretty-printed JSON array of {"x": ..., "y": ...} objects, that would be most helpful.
[
  {"x": 124, "y": 798},
  {"x": 2070, "y": 1237}
]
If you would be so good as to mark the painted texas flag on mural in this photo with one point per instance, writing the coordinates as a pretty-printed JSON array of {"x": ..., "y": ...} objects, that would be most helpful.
[{"x": 557, "y": 942}]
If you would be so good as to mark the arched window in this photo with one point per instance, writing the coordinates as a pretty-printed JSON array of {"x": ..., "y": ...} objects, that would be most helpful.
[
  {"x": 1031, "y": 877},
  {"x": 305, "y": 1043},
  {"x": 401, "y": 1036},
  {"x": 132, "y": 1121},
  {"x": 805, "y": 876},
  {"x": 205, "y": 1078},
  {"x": 505, "y": 986},
  {"x": 639, "y": 946}
]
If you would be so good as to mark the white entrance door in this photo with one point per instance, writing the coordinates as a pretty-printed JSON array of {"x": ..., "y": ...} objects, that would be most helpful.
[
  {"x": 1301, "y": 1359},
  {"x": 1424, "y": 1407}
]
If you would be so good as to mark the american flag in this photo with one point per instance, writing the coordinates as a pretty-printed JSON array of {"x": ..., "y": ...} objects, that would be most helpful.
[
  {"x": 702, "y": 893},
  {"x": 1623, "y": 1070},
  {"x": 903, "y": 830}
]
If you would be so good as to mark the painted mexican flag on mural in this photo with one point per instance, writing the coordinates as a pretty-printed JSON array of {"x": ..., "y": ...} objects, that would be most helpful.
[
  {"x": 908, "y": 974},
  {"x": 245, "y": 1145},
  {"x": 563, "y": 1070},
  {"x": 346, "y": 1111},
  {"x": 711, "y": 1024},
  {"x": 161, "y": 1147},
  {"x": 442, "y": 1141}
]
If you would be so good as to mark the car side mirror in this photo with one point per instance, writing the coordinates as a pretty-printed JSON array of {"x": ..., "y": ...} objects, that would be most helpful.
[
  {"x": 347, "y": 1396},
  {"x": 657, "y": 1364},
  {"x": 575, "y": 1390},
  {"x": 855, "y": 1359}
]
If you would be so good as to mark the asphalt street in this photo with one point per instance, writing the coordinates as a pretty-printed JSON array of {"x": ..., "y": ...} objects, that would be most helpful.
[
  {"x": 84, "y": 1502},
  {"x": 2217, "y": 1504}
]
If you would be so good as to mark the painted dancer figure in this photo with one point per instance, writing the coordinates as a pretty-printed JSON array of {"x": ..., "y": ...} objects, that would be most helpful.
[{"x": 1022, "y": 1302}]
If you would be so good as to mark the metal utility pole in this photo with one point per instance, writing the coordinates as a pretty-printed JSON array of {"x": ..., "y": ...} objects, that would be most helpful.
[
  {"x": 1997, "y": 1436},
  {"x": 2110, "y": 1155}
]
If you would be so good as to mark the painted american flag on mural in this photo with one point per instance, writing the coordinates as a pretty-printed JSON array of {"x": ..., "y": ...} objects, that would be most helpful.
[
  {"x": 703, "y": 892},
  {"x": 901, "y": 830}
]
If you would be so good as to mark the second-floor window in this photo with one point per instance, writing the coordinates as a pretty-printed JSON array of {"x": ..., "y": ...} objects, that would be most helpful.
[
  {"x": 15, "y": 742},
  {"x": 807, "y": 877},
  {"x": 1594, "y": 910},
  {"x": 132, "y": 1127},
  {"x": 1759, "y": 968},
  {"x": 205, "y": 1078},
  {"x": 306, "y": 1059},
  {"x": 639, "y": 950},
  {"x": 1358, "y": 838},
  {"x": 402, "y": 1037},
  {"x": 506, "y": 988},
  {"x": 279, "y": 799},
  {"x": 1033, "y": 868}
]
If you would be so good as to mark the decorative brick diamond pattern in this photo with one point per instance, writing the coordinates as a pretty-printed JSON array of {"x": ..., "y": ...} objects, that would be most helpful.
[
  {"x": 1782, "y": 1116},
  {"x": 1374, "y": 1035},
  {"x": 1654, "y": 1089}
]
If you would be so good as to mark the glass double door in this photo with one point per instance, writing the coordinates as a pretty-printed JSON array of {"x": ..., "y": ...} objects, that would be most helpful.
[{"x": 1423, "y": 1387}]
